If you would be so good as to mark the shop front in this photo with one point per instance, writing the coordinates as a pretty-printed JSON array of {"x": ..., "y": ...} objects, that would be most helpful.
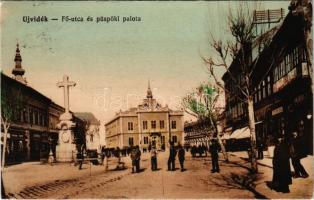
[{"x": 16, "y": 149}]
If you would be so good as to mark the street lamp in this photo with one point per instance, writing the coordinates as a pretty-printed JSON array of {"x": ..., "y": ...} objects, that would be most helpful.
[{"x": 50, "y": 157}]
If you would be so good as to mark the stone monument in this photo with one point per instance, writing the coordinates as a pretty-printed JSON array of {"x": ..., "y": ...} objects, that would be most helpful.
[{"x": 66, "y": 149}]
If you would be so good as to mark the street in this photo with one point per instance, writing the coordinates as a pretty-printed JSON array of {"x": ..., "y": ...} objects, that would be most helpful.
[{"x": 196, "y": 182}]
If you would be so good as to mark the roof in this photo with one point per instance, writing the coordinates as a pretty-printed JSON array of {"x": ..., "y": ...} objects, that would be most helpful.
[
  {"x": 88, "y": 117},
  {"x": 27, "y": 88}
]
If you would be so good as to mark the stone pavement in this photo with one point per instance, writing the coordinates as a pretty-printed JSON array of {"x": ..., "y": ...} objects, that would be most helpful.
[
  {"x": 34, "y": 180},
  {"x": 17, "y": 177}
]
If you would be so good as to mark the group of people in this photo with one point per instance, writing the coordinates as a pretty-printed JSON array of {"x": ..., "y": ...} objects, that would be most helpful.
[
  {"x": 172, "y": 157},
  {"x": 200, "y": 150},
  {"x": 173, "y": 151},
  {"x": 284, "y": 150}
]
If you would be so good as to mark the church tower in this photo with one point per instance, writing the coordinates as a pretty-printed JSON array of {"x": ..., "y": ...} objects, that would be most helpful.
[{"x": 18, "y": 71}]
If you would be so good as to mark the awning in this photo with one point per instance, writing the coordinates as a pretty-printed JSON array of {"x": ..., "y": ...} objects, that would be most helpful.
[
  {"x": 225, "y": 136},
  {"x": 241, "y": 133}
]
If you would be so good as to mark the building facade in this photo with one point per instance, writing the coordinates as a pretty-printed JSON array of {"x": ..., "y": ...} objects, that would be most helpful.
[
  {"x": 148, "y": 124},
  {"x": 92, "y": 134},
  {"x": 197, "y": 133},
  {"x": 283, "y": 96}
]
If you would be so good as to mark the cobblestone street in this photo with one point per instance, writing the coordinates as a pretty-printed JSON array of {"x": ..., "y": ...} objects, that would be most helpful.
[{"x": 195, "y": 182}]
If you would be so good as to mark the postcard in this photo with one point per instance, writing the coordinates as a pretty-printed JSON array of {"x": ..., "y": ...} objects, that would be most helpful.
[{"x": 156, "y": 99}]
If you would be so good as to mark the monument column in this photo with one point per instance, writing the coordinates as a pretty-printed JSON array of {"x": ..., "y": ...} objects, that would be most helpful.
[{"x": 66, "y": 148}]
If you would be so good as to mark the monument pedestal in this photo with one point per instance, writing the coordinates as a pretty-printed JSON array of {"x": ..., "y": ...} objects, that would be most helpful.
[{"x": 66, "y": 148}]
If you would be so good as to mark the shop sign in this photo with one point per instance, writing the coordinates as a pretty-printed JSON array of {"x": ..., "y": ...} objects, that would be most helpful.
[
  {"x": 36, "y": 135},
  {"x": 292, "y": 75},
  {"x": 277, "y": 111},
  {"x": 305, "y": 71}
]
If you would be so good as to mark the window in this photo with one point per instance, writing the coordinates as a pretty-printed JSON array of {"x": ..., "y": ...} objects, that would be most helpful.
[
  {"x": 91, "y": 137},
  {"x": 36, "y": 117},
  {"x": 264, "y": 90},
  {"x": 144, "y": 125},
  {"x": 173, "y": 124},
  {"x": 153, "y": 123},
  {"x": 259, "y": 95},
  {"x": 268, "y": 86},
  {"x": 31, "y": 116},
  {"x": 162, "y": 124},
  {"x": 145, "y": 140},
  {"x": 174, "y": 139},
  {"x": 130, "y": 126},
  {"x": 41, "y": 119},
  {"x": 131, "y": 142},
  {"x": 163, "y": 140},
  {"x": 25, "y": 115}
]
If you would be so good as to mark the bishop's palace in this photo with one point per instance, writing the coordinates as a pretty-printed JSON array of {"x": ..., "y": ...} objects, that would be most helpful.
[{"x": 148, "y": 124}]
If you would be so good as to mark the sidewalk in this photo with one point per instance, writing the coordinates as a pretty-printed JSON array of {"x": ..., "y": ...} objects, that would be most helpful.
[
  {"x": 301, "y": 188},
  {"x": 307, "y": 162}
]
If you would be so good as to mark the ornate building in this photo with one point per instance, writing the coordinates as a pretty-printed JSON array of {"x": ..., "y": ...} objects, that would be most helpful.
[{"x": 149, "y": 123}]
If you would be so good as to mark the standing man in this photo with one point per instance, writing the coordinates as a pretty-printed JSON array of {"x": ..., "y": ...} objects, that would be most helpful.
[
  {"x": 297, "y": 154},
  {"x": 80, "y": 156},
  {"x": 138, "y": 158},
  {"x": 133, "y": 158},
  {"x": 181, "y": 155},
  {"x": 172, "y": 158},
  {"x": 214, "y": 149},
  {"x": 153, "y": 159},
  {"x": 260, "y": 148}
]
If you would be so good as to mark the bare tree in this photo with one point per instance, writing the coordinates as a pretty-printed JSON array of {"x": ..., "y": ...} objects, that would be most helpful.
[
  {"x": 203, "y": 104},
  {"x": 239, "y": 52},
  {"x": 11, "y": 106}
]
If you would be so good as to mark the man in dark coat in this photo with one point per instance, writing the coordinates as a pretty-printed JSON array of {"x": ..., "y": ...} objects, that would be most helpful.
[
  {"x": 80, "y": 156},
  {"x": 193, "y": 150},
  {"x": 214, "y": 149},
  {"x": 296, "y": 155},
  {"x": 281, "y": 167},
  {"x": 172, "y": 158},
  {"x": 260, "y": 149},
  {"x": 138, "y": 158},
  {"x": 181, "y": 155},
  {"x": 133, "y": 158},
  {"x": 153, "y": 158}
]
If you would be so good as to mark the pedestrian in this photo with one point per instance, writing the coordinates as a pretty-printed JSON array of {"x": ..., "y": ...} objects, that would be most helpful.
[
  {"x": 181, "y": 155},
  {"x": 193, "y": 151},
  {"x": 200, "y": 150},
  {"x": 172, "y": 158},
  {"x": 133, "y": 158},
  {"x": 281, "y": 167},
  {"x": 138, "y": 158},
  {"x": 103, "y": 154},
  {"x": 297, "y": 154},
  {"x": 214, "y": 149},
  {"x": 80, "y": 156},
  {"x": 153, "y": 159},
  {"x": 260, "y": 149}
]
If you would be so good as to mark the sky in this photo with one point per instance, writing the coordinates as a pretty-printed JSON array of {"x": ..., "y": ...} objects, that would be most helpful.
[{"x": 112, "y": 63}]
